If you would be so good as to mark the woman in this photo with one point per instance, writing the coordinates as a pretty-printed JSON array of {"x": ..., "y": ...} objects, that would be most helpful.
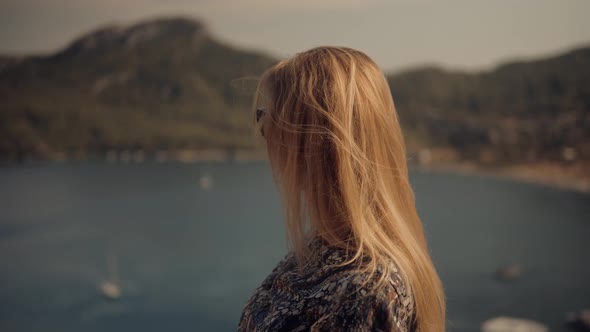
[{"x": 359, "y": 258}]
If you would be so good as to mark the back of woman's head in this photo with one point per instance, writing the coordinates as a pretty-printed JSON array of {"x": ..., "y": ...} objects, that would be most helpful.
[{"x": 338, "y": 155}]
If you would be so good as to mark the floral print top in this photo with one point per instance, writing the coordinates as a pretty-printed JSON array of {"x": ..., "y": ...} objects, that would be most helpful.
[{"x": 327, "y": 298}]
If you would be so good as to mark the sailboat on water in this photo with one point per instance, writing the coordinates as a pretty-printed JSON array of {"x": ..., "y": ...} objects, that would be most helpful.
[{"x": 111, "y": 288}]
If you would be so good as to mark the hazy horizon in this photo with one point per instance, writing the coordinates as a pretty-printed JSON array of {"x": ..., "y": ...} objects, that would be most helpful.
[{"x": 459, "y": 35}]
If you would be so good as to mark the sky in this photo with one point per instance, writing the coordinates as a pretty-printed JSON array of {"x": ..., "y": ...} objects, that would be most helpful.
[{"x": 398, "y": 35}]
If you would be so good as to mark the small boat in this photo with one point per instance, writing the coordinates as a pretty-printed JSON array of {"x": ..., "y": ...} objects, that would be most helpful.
[
  {"x": 111, "y": 289},
  {"x": 509, "y": 272},
  {"x": 510, "y": 324},
  {"x": 206, "y": 182}
]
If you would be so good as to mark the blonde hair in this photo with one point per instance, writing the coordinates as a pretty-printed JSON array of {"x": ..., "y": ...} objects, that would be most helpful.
[{"x": 338, "y": 156}]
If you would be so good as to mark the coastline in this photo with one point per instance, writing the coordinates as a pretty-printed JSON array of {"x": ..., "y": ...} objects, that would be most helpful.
[
  {"x": 575, "y": 177},
  {"x": 563, "y": 175}
]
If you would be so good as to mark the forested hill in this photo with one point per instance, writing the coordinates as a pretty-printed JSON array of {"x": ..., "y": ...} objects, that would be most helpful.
[
  {"x": 161, "y": 84},
  {"x": 169, "y": 84},
  {"x": 520, "y": 111}
]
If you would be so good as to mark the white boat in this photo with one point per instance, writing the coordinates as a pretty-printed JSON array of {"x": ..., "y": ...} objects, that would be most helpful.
[
  {"x": 510, "y": 324},
  {"x": 111, "y": 288}
]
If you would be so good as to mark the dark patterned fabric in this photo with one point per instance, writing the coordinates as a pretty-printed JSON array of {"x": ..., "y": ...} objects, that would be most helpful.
[{"x": 326, "y": 298}]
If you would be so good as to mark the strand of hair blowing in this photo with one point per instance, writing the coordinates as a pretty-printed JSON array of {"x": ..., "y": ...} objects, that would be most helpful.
[{"x": 338, "y": 154}]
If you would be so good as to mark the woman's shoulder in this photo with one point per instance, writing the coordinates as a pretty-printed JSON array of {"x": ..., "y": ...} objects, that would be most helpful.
[
  {"x": 328, "y": 267},
  {"x": 326, "y": 295},
  {"x": 353, "y": 299}
]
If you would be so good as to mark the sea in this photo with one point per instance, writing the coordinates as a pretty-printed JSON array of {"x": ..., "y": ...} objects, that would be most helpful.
[{"x": 187, "y": 244}]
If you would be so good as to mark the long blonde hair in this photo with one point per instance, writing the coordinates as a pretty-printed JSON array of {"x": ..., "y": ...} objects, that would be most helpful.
[{"x": 337, "y": 153}]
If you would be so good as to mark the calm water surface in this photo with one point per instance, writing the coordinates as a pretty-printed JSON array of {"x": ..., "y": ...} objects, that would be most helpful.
[{"x": 188, "y": 258}]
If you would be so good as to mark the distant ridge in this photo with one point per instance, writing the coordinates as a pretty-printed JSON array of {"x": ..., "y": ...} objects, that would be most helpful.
[
  {"x": 167, "y": 84},
  {"x": 136, "y": 36},
  {"x": 157, "y": 85},
  {"x": 520, "y": 111}
]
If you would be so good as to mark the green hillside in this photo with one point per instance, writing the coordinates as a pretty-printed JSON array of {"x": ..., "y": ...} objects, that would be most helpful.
[
  {"x": 520, "y": 111},
  {"x": 168, "y": 84},
  {"x": 163, "y": 84}
]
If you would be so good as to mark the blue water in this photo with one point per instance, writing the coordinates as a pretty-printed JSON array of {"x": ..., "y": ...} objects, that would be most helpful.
[{"x": 188, "y": 258}]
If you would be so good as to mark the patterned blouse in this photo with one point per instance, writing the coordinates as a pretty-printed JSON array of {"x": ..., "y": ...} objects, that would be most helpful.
[{"x": 326, "y": 298}]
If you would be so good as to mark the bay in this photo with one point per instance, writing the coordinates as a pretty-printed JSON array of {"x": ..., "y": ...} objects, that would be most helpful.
[{"x": 189, "y": 257}]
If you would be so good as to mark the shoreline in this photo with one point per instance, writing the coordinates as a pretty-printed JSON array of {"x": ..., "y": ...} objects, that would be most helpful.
[
  {"x": 575, "y": 177},
  {"x": 570, "y": 176}
]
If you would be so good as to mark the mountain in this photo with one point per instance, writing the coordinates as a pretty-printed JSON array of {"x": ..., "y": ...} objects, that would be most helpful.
[
  {"x": 168, "y": 84},
  {"x": 160, "y": 84},
  {"x": 517, "y": 112}
]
